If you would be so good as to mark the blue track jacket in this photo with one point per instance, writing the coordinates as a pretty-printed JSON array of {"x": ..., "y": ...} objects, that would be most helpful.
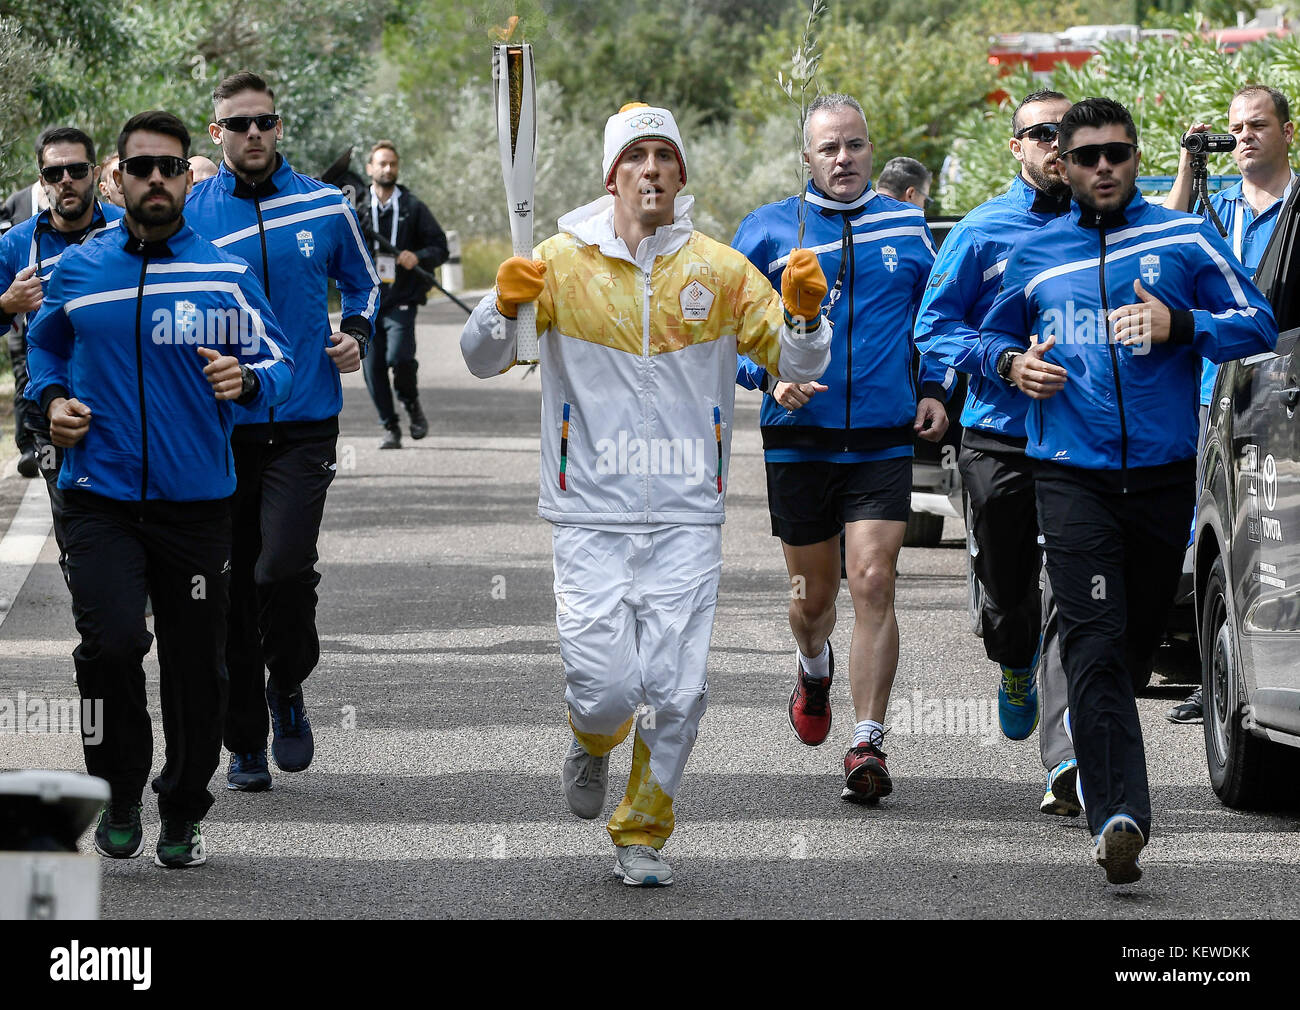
[
  {"x": 876, "y": 253},
  {"x": 297, "y": 233},
  {"x": 1124, "y": 409},
  {"x": 966, "y": 276},
  {"x": 119, "y": 330}
]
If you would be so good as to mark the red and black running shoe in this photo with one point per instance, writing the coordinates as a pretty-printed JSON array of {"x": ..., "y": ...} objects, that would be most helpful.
[
  {"x": 810, "y": 704},
  {"x": 866, "y": 779}
]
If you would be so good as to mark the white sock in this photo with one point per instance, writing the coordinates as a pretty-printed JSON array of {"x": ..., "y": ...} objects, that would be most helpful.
[
  {"x": 868, "y": 731},
  {"x": 819, "y": 668}
]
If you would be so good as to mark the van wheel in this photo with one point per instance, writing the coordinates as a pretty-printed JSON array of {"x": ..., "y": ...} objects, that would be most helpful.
[
  {"x": 923, "y": 530},
  {"x": 1235, "y": 757}
]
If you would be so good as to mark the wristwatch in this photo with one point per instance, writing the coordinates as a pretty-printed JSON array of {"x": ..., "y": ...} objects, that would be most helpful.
[
  {"x": 1004, "y": 364},
  {"x": 249, "y": 385}
]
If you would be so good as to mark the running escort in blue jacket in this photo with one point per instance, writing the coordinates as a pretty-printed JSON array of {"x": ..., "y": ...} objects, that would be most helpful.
[
  {"x": 297, "y": 234},
  {"x": 186, "y": 295},
  {"x": 148, "y": 336},
  {"x": 1122, "y": 411},
  {"x": 838, "y": 452},
  {"x": 1103, "y": 318}
]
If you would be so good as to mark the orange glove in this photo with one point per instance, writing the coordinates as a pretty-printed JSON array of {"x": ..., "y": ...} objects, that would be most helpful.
[
  {"x": 803, "y": 285},
  {"x": 520, "y": 280}
]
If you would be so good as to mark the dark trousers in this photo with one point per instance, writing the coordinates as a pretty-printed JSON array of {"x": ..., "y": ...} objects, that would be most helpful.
[
  {"x": 277, "y": 512},
  {"x": 178, "y": 553},
  {"x": 1009, "y": 560},
  {"x": 50, "y": 458},
  {"x": 1054, "y": 744},
  {"x": 16, "y": 342},
  {"x": 1114, "y": 561},
  {"x": 392, "y": 347}
]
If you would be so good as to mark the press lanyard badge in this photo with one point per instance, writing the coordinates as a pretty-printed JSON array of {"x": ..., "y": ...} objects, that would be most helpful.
[{"x": 385, "y": 263}]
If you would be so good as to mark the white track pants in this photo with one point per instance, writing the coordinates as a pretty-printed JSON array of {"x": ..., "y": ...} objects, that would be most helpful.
[{"x": 635, "y": 615}]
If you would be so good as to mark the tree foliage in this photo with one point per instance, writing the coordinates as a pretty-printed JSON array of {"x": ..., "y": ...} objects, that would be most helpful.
[
  {"x": 1166, "y": 87},
  {"x": 94, "y": 63}
]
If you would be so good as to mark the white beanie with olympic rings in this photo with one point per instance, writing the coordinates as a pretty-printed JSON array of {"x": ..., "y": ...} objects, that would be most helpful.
[{"x": 634, "y": 123}]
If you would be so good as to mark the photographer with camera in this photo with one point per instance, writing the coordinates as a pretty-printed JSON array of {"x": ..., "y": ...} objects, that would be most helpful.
[{"x": 1259, "y": 123}]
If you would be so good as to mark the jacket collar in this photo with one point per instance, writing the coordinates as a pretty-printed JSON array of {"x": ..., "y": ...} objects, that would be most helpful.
[
  {"x": 273, "y": 183},
  {"x": 157, "y": 249},
  {"x": 398, "y": 190},
  {"x": 593, "y": 224},
  {"x": 1086, "y": 217},
  {"x": 45, "y": 224},
  {"x": 828, "y": 206}
]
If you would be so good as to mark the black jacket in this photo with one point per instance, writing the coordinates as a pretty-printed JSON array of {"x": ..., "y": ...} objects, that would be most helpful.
[{"x": 418, "y": 231}]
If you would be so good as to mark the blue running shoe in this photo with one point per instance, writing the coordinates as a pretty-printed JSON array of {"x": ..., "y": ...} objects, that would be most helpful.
[
  {"x": 1062, "y": 797},
  {"x": 1117, "y": 849},
  {"x": 248, "y": 772},
  {"x": 292, "y": 745},
  {"x": 1017, "y": 703}
]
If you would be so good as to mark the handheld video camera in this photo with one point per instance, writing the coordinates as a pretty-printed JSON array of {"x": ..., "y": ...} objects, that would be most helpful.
[{"x": 1209, "y": 143}]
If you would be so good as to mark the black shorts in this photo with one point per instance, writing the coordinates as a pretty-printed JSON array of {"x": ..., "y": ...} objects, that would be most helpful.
[{"x": 810, "y": 502}]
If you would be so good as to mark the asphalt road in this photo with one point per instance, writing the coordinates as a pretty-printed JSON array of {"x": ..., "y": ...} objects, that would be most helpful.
[{"x": 440, "y": 729}]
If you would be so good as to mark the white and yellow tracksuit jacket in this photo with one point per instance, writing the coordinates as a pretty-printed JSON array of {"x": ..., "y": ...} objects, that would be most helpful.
[{"x": 638, "y": 361}]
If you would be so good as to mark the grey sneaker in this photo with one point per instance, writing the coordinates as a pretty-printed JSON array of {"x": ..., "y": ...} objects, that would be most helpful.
[
  {"x": 1190, "y": 711},
  {"x": 584, "y": 777},
  {"x": 642, "y": 866}
]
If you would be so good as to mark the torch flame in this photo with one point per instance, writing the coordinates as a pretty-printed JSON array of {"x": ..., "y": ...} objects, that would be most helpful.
[{"x": 504, "y": 34}]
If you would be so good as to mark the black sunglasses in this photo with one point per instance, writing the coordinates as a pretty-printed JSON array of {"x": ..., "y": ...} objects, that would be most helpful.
[
  {"x": 240, "y": 124},
  {"x": 77, "y": 170},
  {"x": 1088, "y": 155},
  {"x": 142, "y": 165},
  {"x": 1041, "y": 132}
]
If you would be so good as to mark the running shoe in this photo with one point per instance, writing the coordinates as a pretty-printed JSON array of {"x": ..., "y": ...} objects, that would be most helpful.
[
  {"x": 118, "y": 835},
  {"x": 642, "y": 866},
  {"x": 810, "y": 704},
  {"x": 1017, "y": 703},
  {"x": 1190, "y": 711},
  {"x": 866, "y": 779},
  {"x": 584, "y": 777},
  {"x": 292, "y": 744},
  {"x": 419, "y": 423},
  {"x": 1117, "y": 849},
  {"x": 180, "y": 844},
  {"x": 248, "y": 772},
  {"x": 1062, "y": 796}
]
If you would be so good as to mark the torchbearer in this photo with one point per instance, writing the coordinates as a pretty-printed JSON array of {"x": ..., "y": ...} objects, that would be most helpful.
[{"x": 640, "y": 318}]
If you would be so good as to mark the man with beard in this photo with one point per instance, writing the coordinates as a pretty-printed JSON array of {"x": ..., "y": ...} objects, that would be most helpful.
[
  {"x": 997, "y": 475},
  {"x": 29, "y": 252},
  {"x": 297, "y": 233},
  {"x": 392, "y": 214},
  {"x": 1126, "y": 298},
  {"x": 147, "y": 336}
]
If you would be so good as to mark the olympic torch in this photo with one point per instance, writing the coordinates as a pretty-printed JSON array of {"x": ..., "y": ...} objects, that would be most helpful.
[{"x": 516, "y": 99}]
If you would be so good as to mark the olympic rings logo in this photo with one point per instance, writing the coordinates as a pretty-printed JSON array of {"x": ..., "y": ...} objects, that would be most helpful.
[{"x": 646, "y": 121}]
